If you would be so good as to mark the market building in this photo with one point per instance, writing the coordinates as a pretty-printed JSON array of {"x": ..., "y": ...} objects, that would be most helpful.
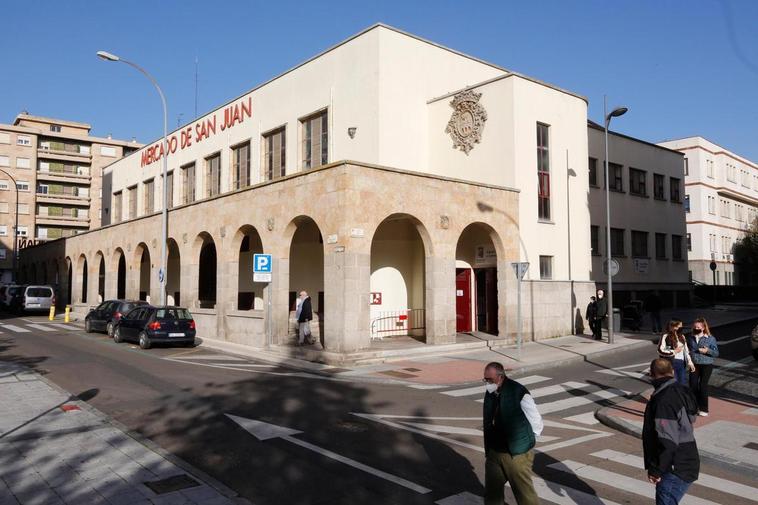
[
  {"x": 648, "y": 229},
  {"x": 58, "y": 166},
  {"x": 394, "y": 179}
]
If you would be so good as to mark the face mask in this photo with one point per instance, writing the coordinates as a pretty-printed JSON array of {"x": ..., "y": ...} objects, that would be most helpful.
[
  {"x": 599, "y": 297},
  {"x": 491, "y": 387},
  {"x": 697, "y": 331}
]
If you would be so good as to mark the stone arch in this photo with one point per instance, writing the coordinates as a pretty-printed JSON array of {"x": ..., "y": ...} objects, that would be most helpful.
[
  {"x": 173, "y": 273},
  {"x": 306, "y": 269},
  {"x": 82, "y": 279},
  {"x": 245, "y": 243},
  {"x": 118, "y": 266},
  {"x": 100, "y": 265},
  {"x": 204, "y": 249},
  {"x": 142, "y": 266}
]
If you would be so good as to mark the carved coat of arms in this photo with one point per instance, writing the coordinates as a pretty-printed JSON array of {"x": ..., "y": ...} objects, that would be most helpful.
[{"x": 467, "y": 122}]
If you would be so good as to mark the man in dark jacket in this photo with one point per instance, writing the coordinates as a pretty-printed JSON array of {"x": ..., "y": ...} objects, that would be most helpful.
[
  {"x": 591, "y": 314},
  {"x": 601, "y": 311},
  {"x": 668, "y": 438},
  {"x": 511, "y": 425},
  {"x": 304, "y": 314}
]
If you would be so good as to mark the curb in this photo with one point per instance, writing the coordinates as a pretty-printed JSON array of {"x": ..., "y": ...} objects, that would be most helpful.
[{"x": 150, "y": 445}]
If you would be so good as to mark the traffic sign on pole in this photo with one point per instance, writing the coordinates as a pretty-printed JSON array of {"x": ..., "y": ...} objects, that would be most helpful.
[{"x": 262, "y": 268}]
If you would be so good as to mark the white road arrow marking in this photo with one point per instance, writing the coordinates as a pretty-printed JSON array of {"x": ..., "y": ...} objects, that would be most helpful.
[{"x": 266, "y": 431}]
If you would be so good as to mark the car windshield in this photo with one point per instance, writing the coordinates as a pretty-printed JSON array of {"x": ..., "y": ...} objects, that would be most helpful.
[
  {"x": 14, "y": 290},
  {"x": 39, "y": 292},
  {"x": 180, "y": 314}
]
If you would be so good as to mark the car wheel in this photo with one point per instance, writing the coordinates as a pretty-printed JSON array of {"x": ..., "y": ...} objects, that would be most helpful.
[
  {"x": 109, "y": 329},
  {"x": 144, "y": 341},
  {"x": 117, "y": 336},
  {"x": 87, "y": 326}
]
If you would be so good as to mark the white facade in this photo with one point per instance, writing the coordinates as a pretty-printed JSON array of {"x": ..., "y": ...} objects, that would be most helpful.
[{"x": 722, "y": 189}]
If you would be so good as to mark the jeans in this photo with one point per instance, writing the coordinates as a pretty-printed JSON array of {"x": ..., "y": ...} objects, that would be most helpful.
[
  {"x": 699, "y": 385},
  {"x": 680, "y": 371},
  {"x": 670, "y": 489},
  {"x": 501, "y": 467}
]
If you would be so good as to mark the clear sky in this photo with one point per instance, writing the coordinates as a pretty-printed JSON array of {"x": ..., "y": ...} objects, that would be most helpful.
[{"x": 687, "y": 67}]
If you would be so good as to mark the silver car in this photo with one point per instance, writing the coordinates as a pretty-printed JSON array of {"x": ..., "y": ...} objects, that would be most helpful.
[{"x": 38, "y": 298}]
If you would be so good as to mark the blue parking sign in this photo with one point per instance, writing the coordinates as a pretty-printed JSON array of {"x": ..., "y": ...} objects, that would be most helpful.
[{"x": 262, "y": 263}]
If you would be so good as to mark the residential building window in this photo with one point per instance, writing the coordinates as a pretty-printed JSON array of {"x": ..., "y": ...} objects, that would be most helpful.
[
  {"x": 686, "y": 166},
  {"x": 55, "y": 128},
  {"x": 241, "y": 165},
  {"x": 117, "y": 212},
  {"x": 274, "y": 158},
  {"x": 3, "y": 230},
  {"x": 639, "y": 244},
  {"x": 132, "y": 202},
  {"x": 5, "y": 138},
  {"x": 658, "y": 189},
  {"x": 674, "y": 189},
  {"x": 43, "y": 189},
  {"x": 108, "y": 151},
  {"x": 686, "y": 203},
  {"x": 637, "y": 182},
  {"x": 709, "y": 168},
  {"x": 315, "y": 140},
  {"x": 543, "y": 171},
  {"x": 3, "y": 253},
  {"x": 5, "y": 161},
  {"x": 689, "y": 241},
  {"x": 593, "y": 172},
  {"x": 23, "y": 185},
  {"x": 4, "y": 184},
  {"x": 149, "y": 196},
  {"x": 213, "y": 175},
  {"x": 617, "y": 242},
  {"x": 23, "y": 208},
  {"x": 595, "y": 240},
  {"x": 23, "y": 163},
  {"x": 23, "y": 231},
  {"x": 724, "y": 208},
  {"x": 745, "y": 179},
  {"x": 660, "y": 246},
  {"x": 3, "y": 207},
  {"x": 546, "y": 267},
  {"x": 189, "y": 181},
  {"x": 170, "y": 189},
  {"x": 23, "y": 140},
  {"x": 616, "y": 174},
  {"x": 712, "y": 205},
  {"x": 676, "y": 247},
  {"x": 712, "y": 241},
  {"x": 731, "y": 173}
]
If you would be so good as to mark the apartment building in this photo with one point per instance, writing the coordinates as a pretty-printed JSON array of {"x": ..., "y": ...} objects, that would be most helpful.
[
  {"x": 648, "y": 230},
  {"x": 57, "y": 167},
  {"x": 721, "y": 200}
]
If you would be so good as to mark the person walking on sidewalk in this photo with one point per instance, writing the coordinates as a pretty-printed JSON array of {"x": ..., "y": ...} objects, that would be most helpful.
[
  {"x": 304, "y": 315},
  {"x": 591, "y": 313},
  {"x": 653, "y": 307},
  {"x": 671, "y": 457},
  {"x": 601, "y": 313},
  {"x": 511, "y": 425},
  {"x": 673, "y": 346},
  {"x": 704, "y": 350}
]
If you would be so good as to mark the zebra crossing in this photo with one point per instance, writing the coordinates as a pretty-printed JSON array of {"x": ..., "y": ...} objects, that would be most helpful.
[{"x": 25, "y": 326}]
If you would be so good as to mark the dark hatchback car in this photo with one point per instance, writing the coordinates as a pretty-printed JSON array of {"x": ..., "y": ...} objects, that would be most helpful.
[
  {"x": 156, "y": 325},
  {"x": 105, "y": 316}
]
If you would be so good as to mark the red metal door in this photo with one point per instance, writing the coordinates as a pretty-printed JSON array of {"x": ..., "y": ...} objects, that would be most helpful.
[{"x": 463, "y": 299}]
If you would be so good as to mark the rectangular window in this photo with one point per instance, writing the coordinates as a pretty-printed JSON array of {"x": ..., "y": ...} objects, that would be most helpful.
[
  {"x": 23, "y": 185},
  {"x": 5, "y": 138},
  {"x": 274, "y": 159},
  {"x": 593, "y": 172},
  {"x": 543, "y": 171},
  {"x": 5, "y": 161},
  {"x": 637, "y": 182},
  {"x": 4, "y": 184},
  {"x": 3, "y": 253},
  {"x": 616, "y": 174},
  {"x": 108, "y": 151},
  {"x": 674, "y": 194},
  {"x": 639, "y": 244},
  {"x": 686, "y": 203},
  {"x": 23, "y": 163},
  {"x": 189, "y": 181},
  {"x": 23, "y": 231},
  {"x": 712, "y": 205},
  {"x": 3, "y": 207},
  {"x": 676, "y": 247},
  {"x": 595, "y": 240},
  {"x": 731, "y": 173},
  {"x": 686, "y": 166},
  {"x": 3, "y": 230},
  {"x": 617, "y": 242},
  {"x": 170, "y": 189},
  {"x": 660, "y": 246},
  {"x": 23, "y": 208},
  {"x": 315, "y": 141},
  {"x": 24, "y": 140},
  {"x": 213, "y": 175},
  {"x": 241, "y": 165},
  {"x": 689, "y": 241},
  {"x": 149, "y": 196},
  {"x": 709, "y": 168},
  {"x": 55, "y": 128},
  {"x": 712, "y": 241},
  {"x": 546, "y": 267},
  {"x": 132, "y": 202},
  {"x": 117, "y": 212},
  {"x": 658, "y": 190}
]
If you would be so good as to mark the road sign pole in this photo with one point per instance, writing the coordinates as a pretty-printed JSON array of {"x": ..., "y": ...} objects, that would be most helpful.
[
  {"x": 269, "y": 312},
  {"x": 518, "y": 318}
]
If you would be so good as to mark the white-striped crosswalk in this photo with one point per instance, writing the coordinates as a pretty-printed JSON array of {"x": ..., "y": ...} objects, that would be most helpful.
[{"x": 28, "y": 327}]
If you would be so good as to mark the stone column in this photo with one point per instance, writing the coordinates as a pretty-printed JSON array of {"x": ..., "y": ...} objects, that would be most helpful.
[
  {"x": 279, "y": 290},
  {"x": 440, "y": 299},
  {"x": 346, "y": 292}
]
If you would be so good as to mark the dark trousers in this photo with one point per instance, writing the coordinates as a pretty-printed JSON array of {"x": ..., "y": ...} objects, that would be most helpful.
[
  {"x": 699, "y": 385},
  {"x": 655, "y": 322},
  {"x": 597, "y": 327},
  {"x": 670, "y": 490}
]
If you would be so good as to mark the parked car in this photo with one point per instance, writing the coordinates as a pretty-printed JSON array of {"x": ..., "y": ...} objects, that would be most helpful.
[
  {"x": 105, "y": 316},
  {"x": 35, "y": 299},
  {"x": 11, "y": 291},
  {"x": 754, "y": 342},
  {"x": 156, "y": 325}
]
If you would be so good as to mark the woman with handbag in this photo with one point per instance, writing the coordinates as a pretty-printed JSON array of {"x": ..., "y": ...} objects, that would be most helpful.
[{"x": 673, "y": 346}]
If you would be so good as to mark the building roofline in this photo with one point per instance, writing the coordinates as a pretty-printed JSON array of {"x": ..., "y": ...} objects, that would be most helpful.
[
  {"x": 43, "y": 119},
  {"x": 723, "y": 150},
  {"x": 595, "y": 126},
  {"x": 72, "y": 136}
]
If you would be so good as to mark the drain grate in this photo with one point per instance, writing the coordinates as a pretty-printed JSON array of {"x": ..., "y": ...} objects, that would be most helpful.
[{"x": 171, "y": 484}]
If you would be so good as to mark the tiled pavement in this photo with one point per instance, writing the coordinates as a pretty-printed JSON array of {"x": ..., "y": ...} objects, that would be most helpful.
[{"x": 55, "y": 449}]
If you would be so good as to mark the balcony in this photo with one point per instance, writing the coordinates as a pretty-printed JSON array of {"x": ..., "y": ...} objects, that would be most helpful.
[
  {"x": 64, "y": 152},
  {"x": 71, "y": 221},
  {"x": 62, "y": 198},
  {"x": 63, "y": 176}
]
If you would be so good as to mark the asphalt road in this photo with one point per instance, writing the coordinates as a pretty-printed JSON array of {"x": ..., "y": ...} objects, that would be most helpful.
[{"x": 404, "y": 445}]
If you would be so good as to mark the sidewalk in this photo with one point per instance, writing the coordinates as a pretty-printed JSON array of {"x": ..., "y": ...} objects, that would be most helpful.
[{"x": 56, "y": 449}]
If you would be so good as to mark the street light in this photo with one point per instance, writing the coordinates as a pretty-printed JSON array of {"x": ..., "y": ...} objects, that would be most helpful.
[
  {"x": 15, "y": 229},
  {"x": 162, "y": 273},
  {"x": 618, "y": 111}
]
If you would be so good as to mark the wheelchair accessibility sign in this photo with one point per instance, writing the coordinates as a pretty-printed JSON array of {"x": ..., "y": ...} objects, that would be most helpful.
[{"x": 262, "y": 268}]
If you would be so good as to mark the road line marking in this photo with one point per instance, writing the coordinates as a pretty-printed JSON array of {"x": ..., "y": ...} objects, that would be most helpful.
[
  {"x": 577, "y": 401},
  {"x": 40, "y": 327},
  {"x": 531, "y": 379},
  {"x": 725, "y": 363},
  {"x": 17, "y": 329},
  {"x": 451, "y": 430},
  {"x": 618, "y": 373},
  {"x": 738, "y": 339},
  {"x": 558, "y": 388},
  {"x": 573, "y": 441},
  {"x": 250, "y": 365},
  {"x": 427, "y": 386},
  {"x": 379, "y": 419},
  {"x": 723, "y": 485},
  {"x": 209, "y": 357},
  {"x": 618, "y": 481},
  {"x": 586, "y": 418},
  {"x": 62, "y": 326}
]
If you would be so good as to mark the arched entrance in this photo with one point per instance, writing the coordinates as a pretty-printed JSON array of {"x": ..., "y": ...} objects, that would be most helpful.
[
  {"x": 476, "y": 290},
  {"x": 173, "y": 274},
  {"x": 306, "y": 266},
  {"x": 84, "y": 274},
  {"x": 398, "y": 278},
  {"x": 249, "y": 293},
  {"x": 207, "y": 272},
  {"x": 69, "y": 282},
  {"x": 100, "y": 276},
  {"x": 120, "y": 273},
  {"x": 143, "y": 253}
]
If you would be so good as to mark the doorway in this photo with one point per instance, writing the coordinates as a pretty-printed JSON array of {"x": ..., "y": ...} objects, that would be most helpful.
[{"x": 462, "y": 300}]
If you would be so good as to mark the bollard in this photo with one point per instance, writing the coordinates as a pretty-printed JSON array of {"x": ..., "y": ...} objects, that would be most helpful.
[
  {"x": 67, "y": 318},
  {"x": 52, "y": 313}
]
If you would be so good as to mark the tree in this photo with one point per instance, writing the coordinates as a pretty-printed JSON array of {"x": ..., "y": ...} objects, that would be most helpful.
[{"x": 746, "y": 256}]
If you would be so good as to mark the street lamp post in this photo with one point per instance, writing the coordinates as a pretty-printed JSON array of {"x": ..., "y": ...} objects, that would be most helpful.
[
  {"x": 15, "y": 230},
  {"x": 618, "y": 111},
  {"x": 163, "y": 271}
]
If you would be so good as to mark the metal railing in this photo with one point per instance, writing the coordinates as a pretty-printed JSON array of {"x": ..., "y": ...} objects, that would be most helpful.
[{"x": 397, "y": 323}]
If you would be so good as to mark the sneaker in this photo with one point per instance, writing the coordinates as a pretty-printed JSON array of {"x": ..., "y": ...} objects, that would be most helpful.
[{"x": 702, "y": 413}]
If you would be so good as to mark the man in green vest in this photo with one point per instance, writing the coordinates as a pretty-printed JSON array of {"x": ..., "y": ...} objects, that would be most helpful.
[{"x": 511, "y": 425}]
